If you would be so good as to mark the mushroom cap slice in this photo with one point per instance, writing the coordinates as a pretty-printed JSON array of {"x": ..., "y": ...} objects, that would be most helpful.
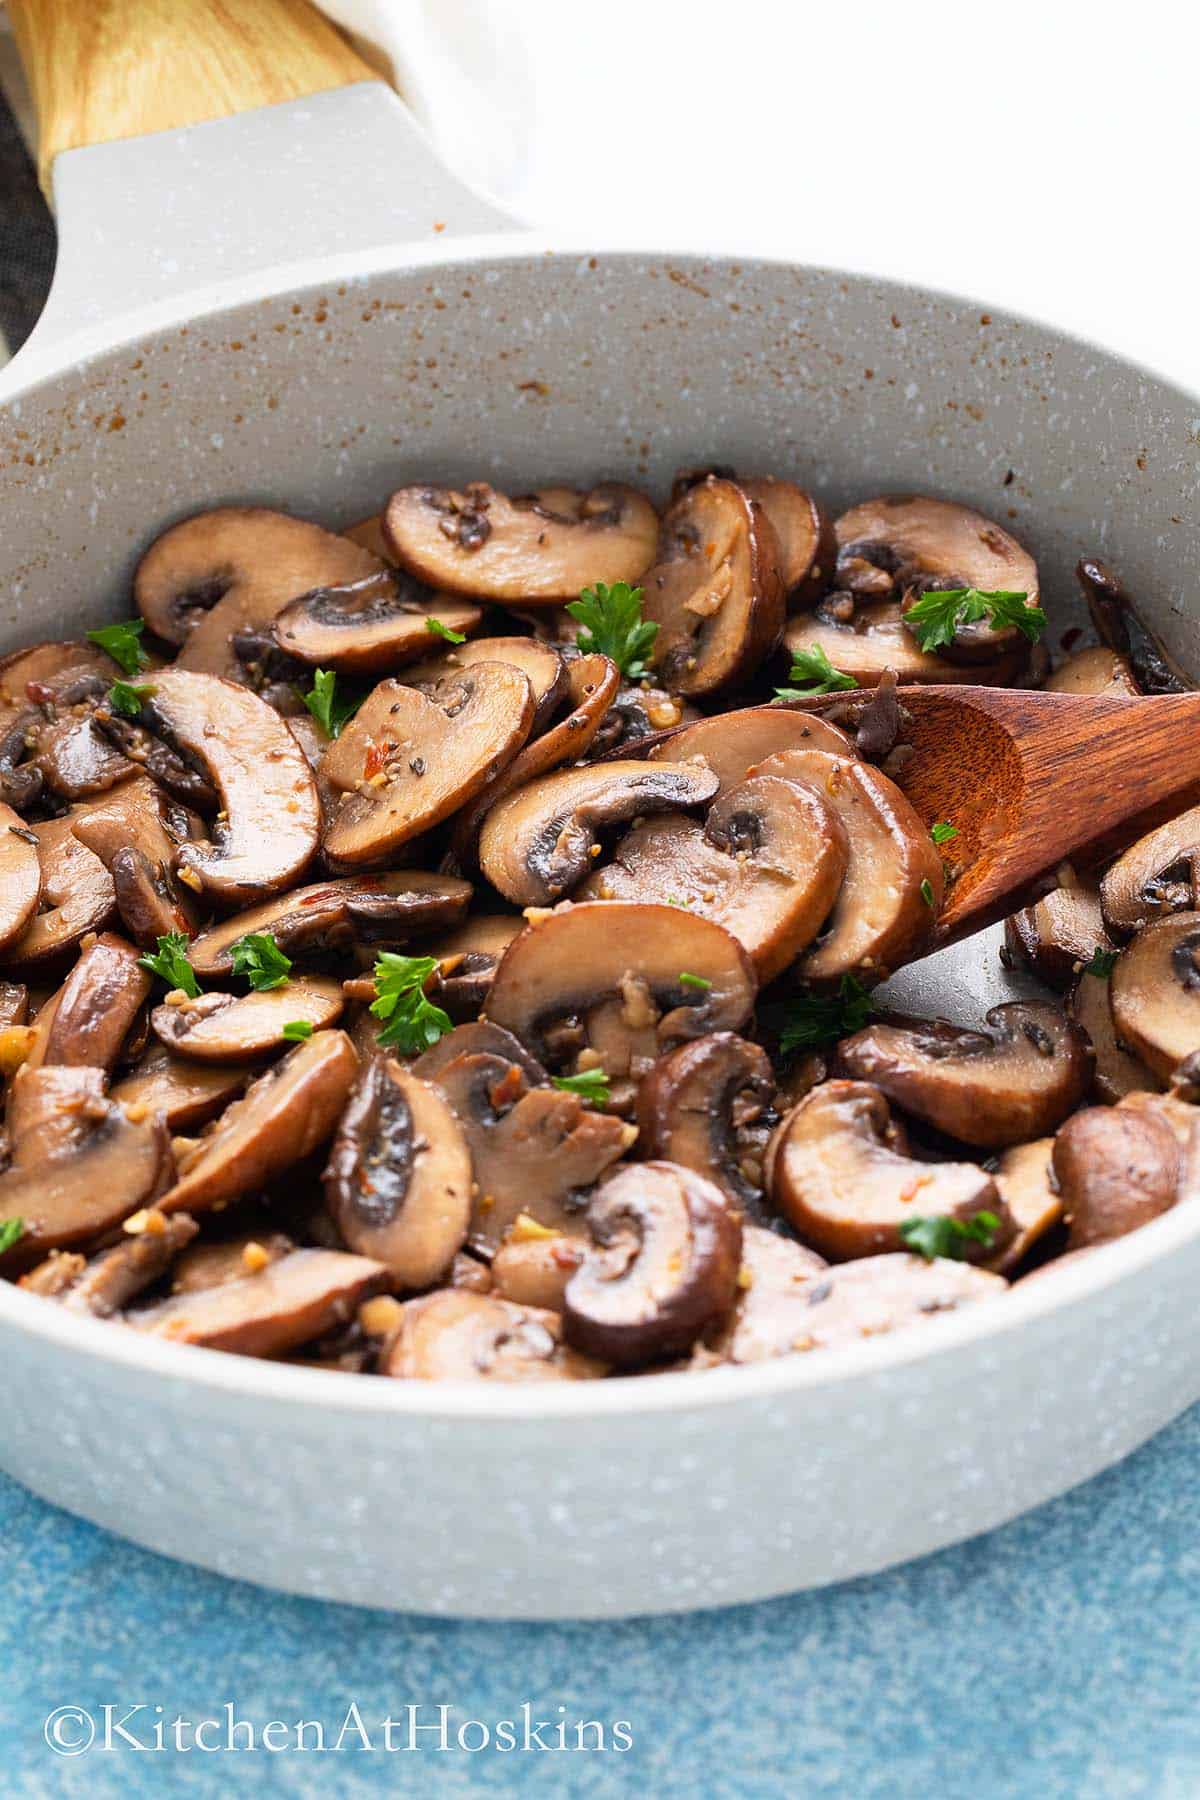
[
  {"x": 535, "y": 1271},
  {"x": 76, "y": 760},
  {"x": 135, "y": 831},
  {"x": 576, "y": 959},
  {"x": 536, "y": 549},
  {"x": 1018, "y": 1081},
  {"x": 104, "y": 1284},
  {"x": 478, "y": 1038},
  {"x": 668, "y": 1247},
  {"x": 1024, "y": 1178},
  {"x": 770, "y": 1314},
  {"x": 1154, "y": 992},
  {"x": 77, "y": 897},
  {"x": 398, "y": 1179},
  {"x": 881, "y": 918},
  {"x": 714, "y": 591},
  {"x": 408, "y": 760},
  {"x": 209, "y": 577},
  {"x": 79, "y": 1165},
  {"x": 767, "y": 864},
  {"x": 214, "y": 1264},
  {"x": 1160, "y": 874},
  {"x": 86, "y": 1023},
  {"x": 369, "y": 533},
  {"x": 468, "y": 958},
  {"x": 540, "y": 662},
  {"x": 382, "y": 909},
  {"x": 834, "y": 1172},
  {"x": 733, "y": 743},
  {"x": 804, "y": 531},
  {"x": 269, "y": 823},
  {"x": 299, "y": 1297},
  {"x": 875, "y": 639},
  {"x": 282, "y": 1116},
  {"x": 1116, "y": 1073},
  {"x": 455, "y": 1335},
  {"x": 20, "y": 877},
  {"x": 539, "y": 842},
  {"x": 232, "y": 1028},
  {"x": 1059, "y": 934},
  {"x": 368, "y": 626},
  {"x": 1116, "y": 1169},
  {"x": 185, "y": 1092},
  {"x": 697, "y": 1106},
  {"x": 1097, "y": 670}
]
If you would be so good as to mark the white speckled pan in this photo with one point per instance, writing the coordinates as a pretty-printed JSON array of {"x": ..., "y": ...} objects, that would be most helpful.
[{"x": 320, "y": 384}]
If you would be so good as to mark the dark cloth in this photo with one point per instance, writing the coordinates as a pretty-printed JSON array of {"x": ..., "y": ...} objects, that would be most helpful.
[{"x": 27, "y": 238}]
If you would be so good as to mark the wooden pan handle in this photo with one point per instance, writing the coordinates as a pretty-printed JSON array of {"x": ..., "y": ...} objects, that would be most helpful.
[{"x": 105, "y": 69}]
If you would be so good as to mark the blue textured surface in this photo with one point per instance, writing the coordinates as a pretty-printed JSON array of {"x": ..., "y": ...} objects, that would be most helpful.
[{"x": 1058, "y": 1657}]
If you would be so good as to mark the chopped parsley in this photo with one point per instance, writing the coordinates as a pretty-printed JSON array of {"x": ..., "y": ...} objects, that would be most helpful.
[
  {"x": 296, "y": 1031},
  {"x": 812, "y": 1019},
  {"x": 121, "y": 643},
  {"x": 443, "y": 631},
  {"x": 11, "y": 1232},
  {"x": 927, "y": 892},
  {"x": 943, "y": 831},
  {"x": 170, "y": 963},
  {"x": 332, "y": 711},
  {"x": 813, "y": 673},
  {"x": 125, "y": 698},
  {"x": 412, "y": 1022},
  {"x": 1101, "y": 964},
  {"x": 258, "y": 957},
  {"x": 938, "y": 614},
  {"x": 614, "y": 627},
  {"x": 699, "y": 982},
  {"x": 590, "y": 1084},
  {"x": 942, "y": 1236}
]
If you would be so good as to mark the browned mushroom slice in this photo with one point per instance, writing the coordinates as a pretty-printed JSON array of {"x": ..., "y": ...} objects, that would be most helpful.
[
  {"x": 767, "y": 864},
  {"x": 185, "y": 1092},
  {"x": 369, "y": 533},
  {"x": 210, "y": 1265},
  {"x": 1026, "y": 1184},
  {"x": 76, "y": 761},
  {"x": 1018, "y": 1080},
  {"x": 408, "y": 760},
  {"x": 60, "y": 671},
  {"x": 1160, "y": 874},
  {"x": 540, "y": 662},
  {"x": 637, "y": 712},
  {"x": 478, "y": 1038},
  {"x": 733, "y": 743},
  {"x": 533, "y": 1265},
  {"x": 920, "y": 544},
  {"x": 804, "y": 531},
  {"x": 770, "y": 1316},
  {"x": 534, "y": 1149},
  {"x": 889, "y": 899},
  {"x": 79, "y": 1164},
  {"x": 368, "y": 626},
  {"x": 540, "y": 841},
  {"x": 714, "y": 592},
  {"x": 702, "y": 1106},
  {"x": 1116, "y": 1169},
  {"x": 1154, "y": 992},
  {"x": 532, "y": 550},
  {"x": 228, "y": 1028},
  {"x": 624, "y": 961},
  {"x": 1060, "y": 933},
  {"x": 290, "y": 1302},
  {"x": 86, "y": 1023},
  {"x": 836, "y": 1169},
  {"x": 1116, "y": 1073},
  {"x": 875, "y": 639},
  {"x": 467, "y": 960},
  {"x": 281, "y": 1117},
  {"x": 1097, "y": 670},
  {"x": 20, "y": 877},
  {"x": 459, "y": 1336},
  {"x": 398, "y": 1180},
  {"x": 668, "y": 1247},
  {"x": 77, "y": 897},
  {"x": 105, "y": 1283},
  {"x": 230, "y": 570},
  {"x": 135, "y": 831}
]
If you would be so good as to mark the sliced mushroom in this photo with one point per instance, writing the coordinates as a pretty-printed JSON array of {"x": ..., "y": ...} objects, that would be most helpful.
[
  {"x": 468, "y": 958},
  {"x": 533, "y": 1270},
  {"x": 540, "y": 841},
  {"x": 408, "y": 760},
  {"x": 210, "y": 1265},
  {"x": 668, "y": 1247},
  {"x": 368, "y": 626},
  {"x": 76, "y": 761},
  {"x": 703, "y": 1106},
  {"x": 636, "y": 713},
  {"x": 767, "y": 864},
  {"x": 459, "y": 1336},
  {"x": 185, "y": 1092},
  {"x": 1154, "y": 992},
  {"x": 1115, "y": 1073},
  {"x": 1115, "y": 617},
  {"x": 733, "y": 743},
  {"x": 1097, "y": 670},
  {"x": 176, "y": 773},
  {"x": 893, "y": 886},
  {"x": 1116, "y": 1169},
  {"x": 921, "y": 544},
  {"x": 105, "y": 1283},
  {"x": 398, "y": 1180},
  {"x": 1160, "y": 874},
  {"x": 1025, "y": 1182},
  {"x": 807, "y": 546},
  {"x": 86, "y": 1023},
  {"x": 288, "y": 1303},
  {"x": 714, "y": 591},
  {"x": 229, "y": 1028},
  {"x": 837, "y": 1171},
  {"x": 770, "y": 1314},
  {"x": 538, "y": 661},
  {"x": 874, "y": 638},
  {"x": 1060, "y": 933},
  {"x": 626, "y": 962},
  {"x": 79, "y": 1164},
  {"x": 135, "y": 831},
  {"x": 233, "y": 569},
  {"x": 534, "y": 549},
  {"x": 77, "y": 897},
  {"x": 478, "y": 1038},
  {"x": 283, "y": 1115},
  {"x": 534, "y": 1149},
  {"x": 332, "y": 917},
  {"x": 369, "y": 533},
  {"x": 20, "y": 877},
  {"x": 1018, "y": 1081}
]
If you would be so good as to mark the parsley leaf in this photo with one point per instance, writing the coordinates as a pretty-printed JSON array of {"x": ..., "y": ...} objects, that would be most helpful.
[
  {"x": 443, "y": 631},
  {"x": 699, "y": 982},
  {"x": 296, "y": 1031},
  {"x": 590, "y": 1084},
  {"x": 816, "y": 674},
  {"x": 11, "y": 1232},
  {"x": 937, "y": 615},
  {"x": 1101, "y": 964},
  {"x": 332, "y": 711},
  {"x": 927, "y": 892},
  {"x": 942, "y": 1236},
  {"x": 125, "y": 698},
  {"x": 258, "y": 957},
  {"x": 613, "y": 626},
  {"x": 121, "y": 643},
  {"x": 812, "y": 1019},
  {"x": 943, "y": 831},
  {"x": 171, "y": 963},
  {"x": 412, "y": 1022}
]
